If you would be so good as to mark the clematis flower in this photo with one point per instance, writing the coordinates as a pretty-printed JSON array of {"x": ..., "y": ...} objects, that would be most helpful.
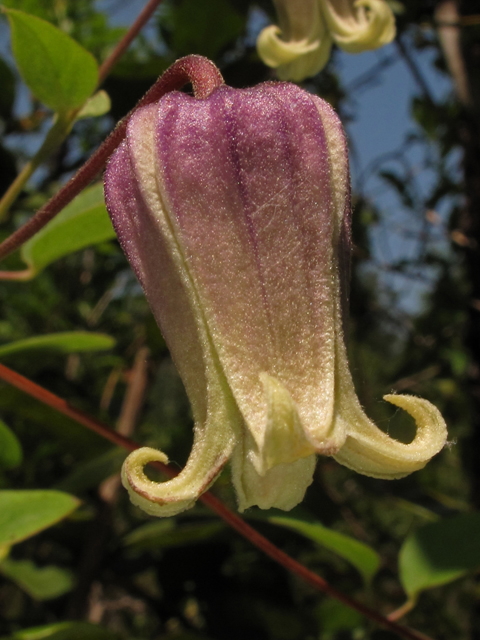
[
  {"x": 234, "y": 211},
  {"x": 300, "y": 46}
]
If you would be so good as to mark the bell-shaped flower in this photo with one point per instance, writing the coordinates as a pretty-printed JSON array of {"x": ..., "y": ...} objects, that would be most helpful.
[
  {"x": 300, "y": 46},
  {"x": 234, "y": 211}
]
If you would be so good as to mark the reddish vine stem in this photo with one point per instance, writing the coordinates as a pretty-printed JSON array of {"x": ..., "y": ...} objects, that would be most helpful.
[
  {"x": 62, "y": 125},
  {"x": 126, "y": 41},
  {"x": 204, "y": 77},
  {"x": 232, "y": 519}
]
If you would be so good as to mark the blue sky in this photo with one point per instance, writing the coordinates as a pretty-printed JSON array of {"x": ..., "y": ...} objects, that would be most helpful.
[{"x": 381, "y": 122}]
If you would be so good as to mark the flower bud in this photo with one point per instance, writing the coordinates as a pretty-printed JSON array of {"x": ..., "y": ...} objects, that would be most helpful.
[{"x": 234, "y": 211}]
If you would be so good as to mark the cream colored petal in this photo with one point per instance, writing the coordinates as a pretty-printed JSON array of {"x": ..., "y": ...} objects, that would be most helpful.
[
  {"x": 370, "y": 451},
  {"x": 300, "y": 19},
  {"x": 307, "y": 65},
  {"x": 141, "y": 489},
  {"x": 300, "y": 46},
  {"x": 211, "y": 449},
  {"x": 282, "y": 487},
  {"x": 274, "y": 51},
  {"x": 359, "y": 26},
  {"x": 284, "y": 437}
]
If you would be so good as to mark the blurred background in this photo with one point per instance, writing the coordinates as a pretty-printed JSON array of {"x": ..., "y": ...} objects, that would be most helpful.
[{"x": 413, "y": 130}]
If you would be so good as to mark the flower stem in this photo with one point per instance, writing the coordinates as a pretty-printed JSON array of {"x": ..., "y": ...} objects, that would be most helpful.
[
  {"x": 232, "y": 519},
  {"x": 204, "y": 77},
  {"x": 62, "y": 124}
]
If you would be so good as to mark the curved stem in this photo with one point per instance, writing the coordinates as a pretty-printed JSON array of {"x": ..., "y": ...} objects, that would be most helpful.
[
  {"x": 61, "y": 127},
  {"x": 127, "y": 39},
  {"x": 204, "y": 77},
  {"x": 232, "y": 519},
  {"x": 406, "y": 607},
  {"x": 19, "y": 276}
]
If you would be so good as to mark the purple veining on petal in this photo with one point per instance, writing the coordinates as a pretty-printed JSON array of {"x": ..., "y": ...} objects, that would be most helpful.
[
  {"x": 232, "y": 119},
  {"x": 283, "y": 105},
  {"x": 255, "y": 225},
  {"x": 141, "y": 239},
  {"x": 292, "y": 99},
  {"x": 121, "y": 186}
]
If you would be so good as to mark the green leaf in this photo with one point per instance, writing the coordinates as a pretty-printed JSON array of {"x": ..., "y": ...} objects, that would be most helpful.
[
  {"x": 168, "y": 533},
  {"x": 41, "y": 583},
  {"x": 439, "y": 553},
  {"x": 24, "y": 513},
  {"x": 98, "y": 105},
  {"x": 56, "y": 69},
  {"x": 10, "y": 450},
  {"x": 360, "y": 555},
  {"x": 65, "y": 631},
  {"x": 65, "y": 342},
  {"x": 83, "y": 222}
]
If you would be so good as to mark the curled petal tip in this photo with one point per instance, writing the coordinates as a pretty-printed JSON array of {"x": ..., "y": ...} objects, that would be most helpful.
[
  {"x": 275, "y": 51},
  {"x": 365, "y": 25},
  {"x": 370, "y": 451},
  {"x": 300, "y": 47},
  {"x": 163, "y": 499}
]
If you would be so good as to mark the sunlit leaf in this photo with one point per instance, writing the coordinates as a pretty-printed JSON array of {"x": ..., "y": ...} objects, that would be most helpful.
[
  {"x": 65, "y": 342},
  {"x": 439, "y": 553},
  {"x": 98, "y": 105},
  {"x": 10, "y": 448},
  {"x": 41, "y": 583},
  {"x": 82, "y": 223},
  {"x": 56, "y": 69},
  {"x": 360, "y": 555},
  {"x": 25, "y": 513}
]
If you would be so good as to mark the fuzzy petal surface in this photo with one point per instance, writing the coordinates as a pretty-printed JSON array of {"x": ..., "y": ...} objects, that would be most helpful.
[
  {"x": 234, "y": 211},
  {"x": 247, "y": 175}
]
